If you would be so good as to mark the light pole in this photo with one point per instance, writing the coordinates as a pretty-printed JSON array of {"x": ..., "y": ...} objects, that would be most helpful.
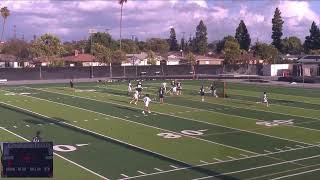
[{"x": 91, "y": 32}]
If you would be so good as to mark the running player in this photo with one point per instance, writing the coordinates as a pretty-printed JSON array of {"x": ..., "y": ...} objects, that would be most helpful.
[
  {"x": 174, "y": 90},
  {"x": 37, "y": 138},
  {"x": 146, "y": 101},
  {"x": 135, "y": 98},
  {"x": 202, "y": 93},
  {"x": 179, "y": 88},
  {"x": 139, "y": 87},
  {"x": 161, "y": 94},
  {"x": 71, "y": 84},
  {"x": 213, "y": 90},
  {"x": 164, "y": 85},
  {"x": 265, "y": 99},
  {"x": 129, "y": 87}
]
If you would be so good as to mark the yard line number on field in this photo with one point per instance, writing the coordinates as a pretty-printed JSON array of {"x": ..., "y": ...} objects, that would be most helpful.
[{"x": 185, "y": 132}]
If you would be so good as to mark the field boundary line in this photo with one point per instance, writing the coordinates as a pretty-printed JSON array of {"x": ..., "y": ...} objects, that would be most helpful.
[
  {"x": 134, "y": 121},
  {"x": 296, "y": 174},
  {"x": 66, "y": 159},
  {"x": 189, "y": 88},
  {"x": 102, "y": 135},
  {"x": 203, "y": 165},
  {"x": 259, "y": 167},
  {"x": 316, "y": 120},
  {"x": 266, "y": 175},
  {"x": 190, "y": 119}
]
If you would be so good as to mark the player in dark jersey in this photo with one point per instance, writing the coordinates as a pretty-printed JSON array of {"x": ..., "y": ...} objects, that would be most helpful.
[
  {"x": 71, "y": 84},
  {"x": 179, "y": 88},
  {"x": 37, "y": 138},
  {"x": 161, "y": 94},
  {"x": 139, "y": 87},
  {"x": 213, "y": 90},
  {"x": 202, "y": 93}
]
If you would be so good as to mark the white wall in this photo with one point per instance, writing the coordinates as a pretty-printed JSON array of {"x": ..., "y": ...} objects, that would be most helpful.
[{"x": 273, "y": 69}]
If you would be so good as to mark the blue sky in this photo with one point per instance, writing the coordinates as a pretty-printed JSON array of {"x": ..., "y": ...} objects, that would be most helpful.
[{"x": 70, "y": 20}]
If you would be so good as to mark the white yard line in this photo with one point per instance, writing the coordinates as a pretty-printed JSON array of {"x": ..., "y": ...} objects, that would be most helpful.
[
  {"x": 272, "y": 174},
  {"x": 187, "y": 118},
  {"x": 94, "y": 133},
  {"x": 220, "y": 161},
  {"x": 291, "y": 175},
  {"x": 259, "y": 167},
  {"x": 193, "y": 137},
  {"x": 58, "y": 155}
]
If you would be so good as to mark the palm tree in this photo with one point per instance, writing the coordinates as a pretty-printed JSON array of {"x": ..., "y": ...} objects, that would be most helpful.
[
  {"x": 121, "y": 2},
  {"x": 4, "y": 13}
]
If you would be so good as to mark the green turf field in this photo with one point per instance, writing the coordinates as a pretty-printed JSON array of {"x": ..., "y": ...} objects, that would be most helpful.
[{"x": 98, "y": 135}]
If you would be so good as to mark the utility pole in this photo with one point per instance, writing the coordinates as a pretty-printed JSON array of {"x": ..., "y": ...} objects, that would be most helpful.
[{"x": 14, "y": 31}]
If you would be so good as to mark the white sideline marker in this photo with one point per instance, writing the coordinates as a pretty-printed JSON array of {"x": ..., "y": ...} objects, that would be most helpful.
[
  {"x": 244, "y": 155},
  {"x": 96, "y": 119},
  {"x": 75, "y": 121},
  {"x": 219, "y": 160},
  {"x": 277, "y": 149},
  {"x": 15, "y": 126},
  {"x": 160, "y": 170},
  {"x": 204, "y": 162},
  {"x": 27, "y": 125},
  {"x": 299, "y": 146},
  {"x": 231, "y": 157},
  {"x": 85, "y": 120},
  {"x": 124, "y": 175},
  {"x": 126, "y": 116},
  {"x": 142, "y": 172},
  {"x": 173, "y": 166},
  {"x": 267, "y": 151},
  {"x": 79, "y": 145},
  {"x": 203, "y": 130}
]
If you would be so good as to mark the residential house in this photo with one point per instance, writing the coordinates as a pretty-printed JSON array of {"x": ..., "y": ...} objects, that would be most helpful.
[
  {"x": 81, "y": 59},
  {"x": 207, "y": 60},
  {"x": 10, "y": 61},
  {"x": 136, "y": 59}
]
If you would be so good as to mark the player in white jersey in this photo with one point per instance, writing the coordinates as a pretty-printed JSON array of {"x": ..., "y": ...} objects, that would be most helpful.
[
  {"x": 135, "y": 98},
  {"x": 146, "y": 101},
  {"x": 265, "y": 99},
  {"x": 129, "y": 87},
  {"x": 164, "y": 85}
]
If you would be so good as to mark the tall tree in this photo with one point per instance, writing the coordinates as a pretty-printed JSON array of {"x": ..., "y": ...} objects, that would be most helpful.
[
  {"x": 277, "y": 24},
  {"x": 158, "y": 45},
  {"x": 191, "y": 58},
  {"x": 291, "y": 45},
  {"x": 201, "y": 38},
  {"x": 243, "y": 36},
  {"x": 102, "y": 53},
  {"x": 118, "y": 57},
  {"x": 16, "y": 47},
  {"x": 130, "y": 46},
  {"x": 173, "y": 40},
  {"x": 151, "y": 56},
  {"x": 268, "y": 53},
  {"x": 182, "y": 44},
  {"x": 232, "y": 51},
  {"x": 102, "y": 38},
  {"x": 5, "y": 13},
  {"x": 47, "y": 46},
  {"x": 121, "y": 2},
  {"x": 312, "y": 41}
]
